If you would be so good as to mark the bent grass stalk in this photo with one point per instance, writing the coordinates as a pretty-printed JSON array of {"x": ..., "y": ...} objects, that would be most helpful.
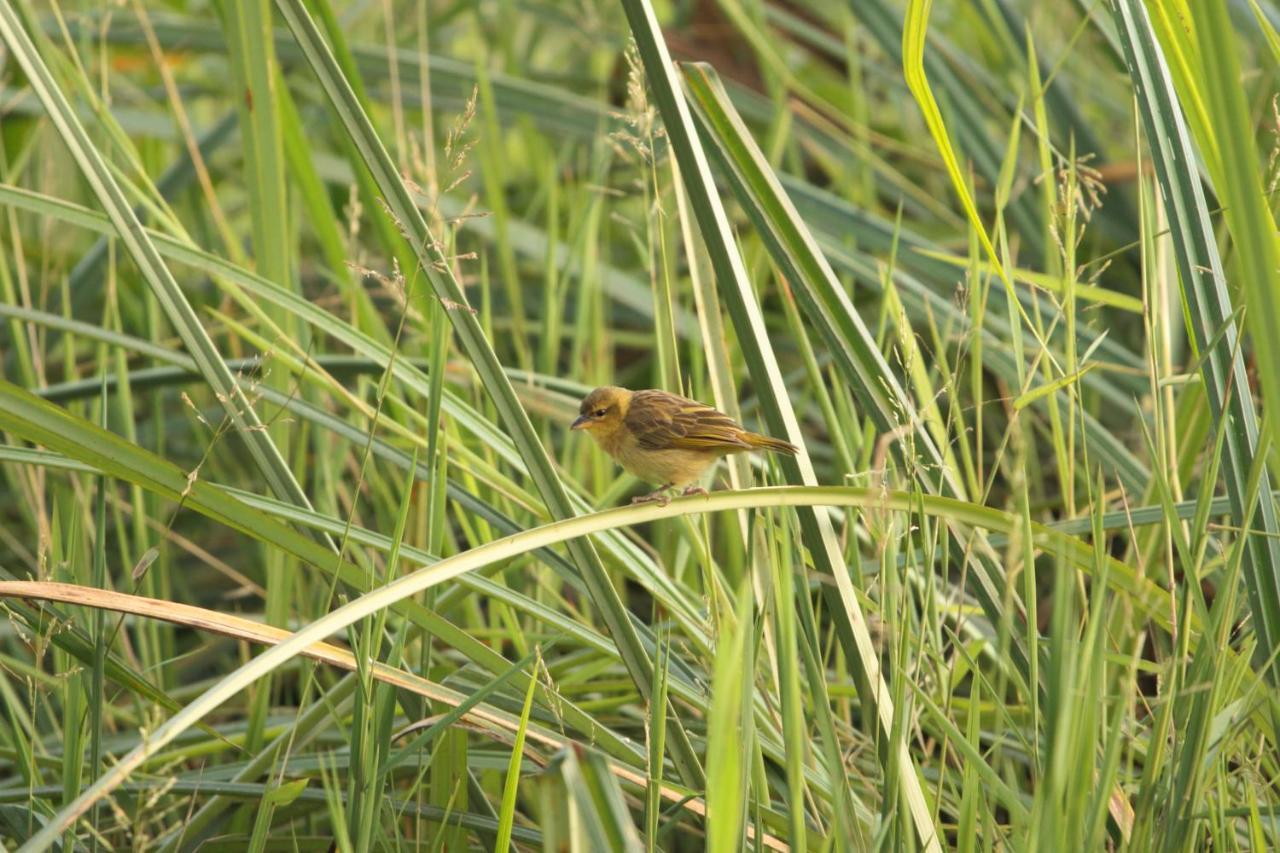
[{"x": 521, "y": 543}]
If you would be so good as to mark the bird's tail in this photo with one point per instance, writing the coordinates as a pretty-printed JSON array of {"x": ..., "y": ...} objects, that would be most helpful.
[{"x": 765, "y": 442}]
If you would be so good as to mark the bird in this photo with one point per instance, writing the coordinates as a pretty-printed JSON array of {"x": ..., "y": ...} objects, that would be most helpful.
[{"x": 665, "y": 438}]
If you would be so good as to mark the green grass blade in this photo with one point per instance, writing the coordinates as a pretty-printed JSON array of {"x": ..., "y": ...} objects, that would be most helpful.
[
  {"x": 248, "y": 32},
  {"x": 914, "y": 31},
  {"x": 1210, "y": 313},
  {"x": 506, "y": 815},
  {"x": 731, "y": 734}
]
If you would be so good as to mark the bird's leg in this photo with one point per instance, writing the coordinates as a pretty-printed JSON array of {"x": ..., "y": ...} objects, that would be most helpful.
[
  {"x": 658, "y": 495},
  {"x": 694, "y": 490}
]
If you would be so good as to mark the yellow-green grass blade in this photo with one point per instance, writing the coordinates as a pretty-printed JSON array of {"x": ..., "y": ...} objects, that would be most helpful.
[
  {"x": 969, "y": 115},
  {"x": 1088, "y": 292},
  {"x": 914, "y": 31},
  {"x": 1268, "y": 30},
  {"x": 1001, "y": 526},
  {"x": 506, "y": 815}
]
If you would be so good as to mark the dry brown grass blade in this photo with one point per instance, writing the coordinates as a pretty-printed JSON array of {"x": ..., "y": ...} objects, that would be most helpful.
[{"x": 237, "y": 627}]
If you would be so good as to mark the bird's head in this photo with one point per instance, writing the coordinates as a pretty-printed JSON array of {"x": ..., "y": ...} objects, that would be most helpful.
[{"x": 603, "y": 410}]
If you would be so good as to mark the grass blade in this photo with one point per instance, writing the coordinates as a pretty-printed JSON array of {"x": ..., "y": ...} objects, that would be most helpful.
[
  {"x": 506, "y": 815},
  {"x": 745, "y": 312},
  {"x": 1210, "y": 315}
]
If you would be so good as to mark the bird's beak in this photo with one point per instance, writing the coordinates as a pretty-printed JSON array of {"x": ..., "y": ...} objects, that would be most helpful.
[{"x": 581, "y": 423}]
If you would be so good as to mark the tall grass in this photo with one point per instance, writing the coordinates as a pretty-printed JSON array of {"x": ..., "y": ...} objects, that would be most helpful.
[{"x": 297, "y": 300}]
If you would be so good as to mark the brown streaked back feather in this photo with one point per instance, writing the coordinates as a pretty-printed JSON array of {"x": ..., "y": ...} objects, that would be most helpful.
[{"x": 662, "y": 421}]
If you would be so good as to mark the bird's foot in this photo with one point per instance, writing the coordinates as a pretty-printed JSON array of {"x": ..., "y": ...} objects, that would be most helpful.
[
  {"x": 658, "y": 496},
  {"x": 694, "y": 490}
]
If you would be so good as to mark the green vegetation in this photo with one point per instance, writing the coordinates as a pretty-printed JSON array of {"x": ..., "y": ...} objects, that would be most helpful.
[{"x": 297, "y": 300}]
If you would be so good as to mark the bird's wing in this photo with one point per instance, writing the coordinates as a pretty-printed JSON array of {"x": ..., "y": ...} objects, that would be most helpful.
[{"x": 662, "y": 421}]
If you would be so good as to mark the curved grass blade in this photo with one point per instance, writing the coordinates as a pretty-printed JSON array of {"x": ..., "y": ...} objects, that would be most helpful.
[
  {"x": 25, "y": 415},
  {"x": 1064, "y": 547},
  {"x": 641, "y": 570},
  {"x": 405, "y": 370},
  {"x": 1150, "y": 598},
  {"x": 914, "y": 54},
  {"x": 890, "y": 30}
]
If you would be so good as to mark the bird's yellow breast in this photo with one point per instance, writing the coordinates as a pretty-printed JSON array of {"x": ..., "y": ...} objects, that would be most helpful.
[{"x": 677, "y": 467}]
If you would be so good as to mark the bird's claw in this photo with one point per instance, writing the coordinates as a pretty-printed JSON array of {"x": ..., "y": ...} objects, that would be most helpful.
[
  {"x": 658, "y": 496},
  {"x": 694, "y": 490}
]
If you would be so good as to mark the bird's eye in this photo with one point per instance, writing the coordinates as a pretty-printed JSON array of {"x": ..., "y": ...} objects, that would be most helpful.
[{"x": 599, "y": 413}]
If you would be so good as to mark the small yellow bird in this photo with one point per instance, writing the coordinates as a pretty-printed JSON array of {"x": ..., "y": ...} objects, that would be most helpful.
[{"x": 664, "y": 438}]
